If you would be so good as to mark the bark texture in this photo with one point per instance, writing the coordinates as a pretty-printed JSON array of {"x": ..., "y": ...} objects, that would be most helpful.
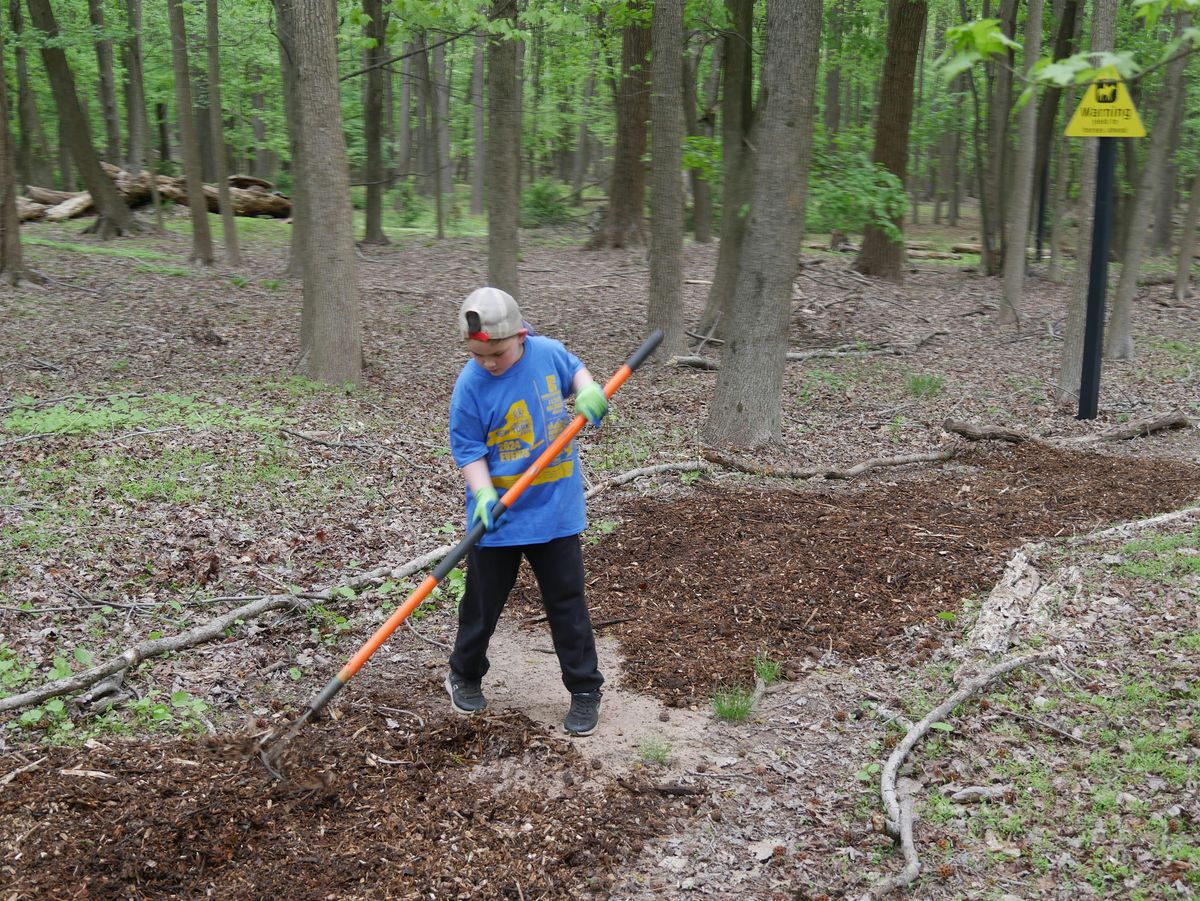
[
  {"x": 624, "y": 221},
  {"x": 32, "y": 157},
  {"x": 107, "y": 84},
  {"x": 334, "y": 354},
  {"x": 665, "y": 305},
  {"x": 880, "y": 255},
  {"x": 202, "y": 248},
  {"x": 233, "y": 256},
  {"x": 375, "y": 54},
  {"x": 1187, "y": 242},
  {"x": 503, "y": 156},
  {"x": 747, "y": 405}
]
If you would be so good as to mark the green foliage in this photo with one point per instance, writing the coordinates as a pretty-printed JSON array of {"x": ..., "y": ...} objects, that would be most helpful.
[
  {"x": 86, "y": 416},
  {"x": 766, "y": 669},
  {"x": 921, "y": 384},
  {"x": 847, "y": 192},
  {"x": 973, "y": 42},
  {"x": 409, "y": 208},
  {"x": 655, "y": 750},
  {"x": 732, "y": 702},
  {"x": 545, "y": 202},
  {"x": 703, "y": 154}
]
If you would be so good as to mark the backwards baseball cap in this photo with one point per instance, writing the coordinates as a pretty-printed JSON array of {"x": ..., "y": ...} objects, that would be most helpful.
[{"x": 489, "y": 314}]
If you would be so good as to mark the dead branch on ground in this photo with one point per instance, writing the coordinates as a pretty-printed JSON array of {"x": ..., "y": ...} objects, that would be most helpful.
[
  {"x": 1140, "y": 428},
  {"x": 629, "y": 476},
  {"x": 899, "y": 820},
  {"x": 824, "y": 472},
  {"x": 846, "y": 350}
]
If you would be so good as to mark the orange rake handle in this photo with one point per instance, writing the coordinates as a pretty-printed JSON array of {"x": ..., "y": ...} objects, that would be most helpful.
[{"x": 452, "y": 559}]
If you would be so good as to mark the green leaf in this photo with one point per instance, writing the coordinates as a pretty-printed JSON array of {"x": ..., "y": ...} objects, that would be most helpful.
[
  {"x": 60, "y": 668},
  {"x": 83, "y": 655},
  {"x": 294, "y": 674},
  {"x": 30, "y": 717},
  {"x": 180, "y": 699},
  {"x": 55, "y": 707},
  {"x": 942, "y": 727}
]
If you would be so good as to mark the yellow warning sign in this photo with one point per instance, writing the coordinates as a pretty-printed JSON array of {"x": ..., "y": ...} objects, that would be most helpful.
[{"x": 1106, "y": 110}]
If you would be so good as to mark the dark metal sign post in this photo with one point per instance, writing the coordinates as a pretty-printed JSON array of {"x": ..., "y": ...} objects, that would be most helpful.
[{"x": 1093, "y": 334}]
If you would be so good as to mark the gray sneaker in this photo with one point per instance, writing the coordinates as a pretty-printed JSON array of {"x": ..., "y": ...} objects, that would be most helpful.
[
  {"x": 466, "y": 695},
  {"x": 584, "y": 713}
]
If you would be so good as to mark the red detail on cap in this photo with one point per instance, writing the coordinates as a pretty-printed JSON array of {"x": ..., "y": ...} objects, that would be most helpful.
[{"x": 479, "y": 336}]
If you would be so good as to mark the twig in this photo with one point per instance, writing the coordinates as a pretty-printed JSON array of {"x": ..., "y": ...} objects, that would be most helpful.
[
  {"x": 323, "y": 442},
  {"x": 763, "y": 469},
  {"x": 1044, "y": 725},
  {"x": 22, "y": 769},
  {"x": 425, "y": 638},
  {"x": 630, "y": 475},
  {"x": 899, "y": 820},
  {"x": 405, "y": 712}
]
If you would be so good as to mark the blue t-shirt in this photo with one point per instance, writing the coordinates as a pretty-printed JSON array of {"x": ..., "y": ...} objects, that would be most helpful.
[{"x": 509, "y": 420}]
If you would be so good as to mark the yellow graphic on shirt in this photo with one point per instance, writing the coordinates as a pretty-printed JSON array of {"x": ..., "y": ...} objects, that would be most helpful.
[{"x": 515, "y": 440}]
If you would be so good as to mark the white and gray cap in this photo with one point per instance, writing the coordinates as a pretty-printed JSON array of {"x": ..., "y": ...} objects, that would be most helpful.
[{"x": 489, "y": 314}]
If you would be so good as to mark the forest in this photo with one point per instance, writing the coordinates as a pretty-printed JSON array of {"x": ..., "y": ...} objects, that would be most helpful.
[{"x": 892, "y": 539}]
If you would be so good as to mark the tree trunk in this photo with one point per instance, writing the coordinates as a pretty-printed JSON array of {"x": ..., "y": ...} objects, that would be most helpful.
[
  {"x": 700, "y": 126},
  {"x": 108, "y": 85},
  {"x": 1187, "y": 242},
  {"x": 262, "y": 161},
  {"x": 1048, "y": 112},
  {"x": 737, "y": 120},
  {"x": 1058, "y": 199},
  {"x": 164, "y": 132},
  {"x": 429, "y": 92},
  {"x": 746, "y": 409},
  {"x": 202, "y": 247},
  {"x": 424, "y": 135},
  {"x": 880, "y": 255},
  {"x": 832, "y": 113},
  {"x": 1118, "y": 344},
  {"x": 999, "y": 104},
  {"x": 33, "y": 157},
  {"x": 623, "y": 224},
  {"x": 665, "y": 305},
  {"x": 479, "y": 136},
  {"x": 233, "y": 256},
  {"x": 289, "y": 69},
  {"x": 1018, "y": 224},
  {"x": 404, "y": 151},
  {"x": 331, "y": 273},
  {"x": 114, "y": 216},
  {"x": 139, "y": 126},
  {"x": 1104, "y": 19},
  {"x": 441, "y": 112},
  {"x": 375, "y": 54},
  {"x": 12, "y": 261},
  {"x": 503, "y": 155},
  {"x": 579, "y": 162},
  {"x": 1164, "y": 209}
]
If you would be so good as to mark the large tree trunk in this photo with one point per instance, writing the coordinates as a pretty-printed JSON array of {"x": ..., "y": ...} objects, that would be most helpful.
[
  {"x": 233, "y": 255},
  {"x": 746, "y": 409},
  {"x": 32, "y": 157},
  {"x": 1018, "y": 223},
  {"x": 478, "y": 134},
  {"x": 737, "y": 121},
  {"x": 139, "y": 126},
  {"x": 880, "y": 255},
  {"x": 1104, "y": 18},
  {"x": 202, "y": 246},
  {"x": 114, "y": 216},
  {"x": 374, "y": 56},
  {"x": 108, "y": 85},
  {"x": 289, "y": 68},
  {"x": 665, "y": 305},
  {"x": 1118, "y": 341},
  {"x": 1187, "y": 242},
  {"x": 331, "y": 274},
  {"x": 503, "y": 155},
  {"x": 623, "y": 224}
]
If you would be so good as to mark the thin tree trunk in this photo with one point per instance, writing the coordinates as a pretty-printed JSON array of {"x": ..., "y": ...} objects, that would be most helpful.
[
  {"x": 108, "y": 85},
  {"x": 33, "y": 157},
  {"x": 331, "y": 272},
  {"x": 580, "y": 159},
  {"x": 665, "y": 305},
  {"x": 1018, "y": 224},
  {"x": 1048, "y": 109},
  {"x": 1187, "y": 242},
  {"x": 441, "y": 112},
  {"x": 999, "y": 103},
  {"x": 1164, "y": 209},
  {"x": 12, "y": 260},
  {"x": 140, "y": 144},
  {"x": 202, "y": 247},
  {"x": 164, "y": 132},
  {"x": 1104, "y": 17},
  {"x": 424, "y": 135},
  {"x": 375, "y": 54},
  {"x": 503, "y": 155},
  {"x": 429, "y": 92},
  {"x": 881, "y": 256},
  {"x": 1118, "y": 343},
  {"x": 624, "y": 222},
  {"x": 832, "y": 114},
  {"x": 404, "y": 151},
  {"x": 747, "y": 405},
  {"x": 698, "y": 126},
  {"x": 233, "y": 255},
  {"x": 289, "y": 67},
  {"x": 114, "y": 217},
  {"x": 479, "y": 135},
  {"x": 737, "y": 120},
  {"x": 1058, "y": 200}
]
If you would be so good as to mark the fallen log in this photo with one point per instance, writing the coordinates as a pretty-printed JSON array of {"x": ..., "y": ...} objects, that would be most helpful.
[
  {"x": 77, "y": 205},
  {"x": 932, "y": 255},
  {"x": 47, "y": 196},
  {"x": 28, "y": 210},
  {"x": 966, "y": 248}
]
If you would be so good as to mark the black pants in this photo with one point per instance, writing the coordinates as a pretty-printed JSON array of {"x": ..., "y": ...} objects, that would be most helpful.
[{"x": 491, "y": 574}]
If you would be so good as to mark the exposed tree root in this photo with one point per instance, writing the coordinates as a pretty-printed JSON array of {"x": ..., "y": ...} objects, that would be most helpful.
[
  {"x": 824, "y": 472},
  {"x": 623, "y": 478},
  {"x": 899, "y": 820},
  {"x": 1141, "y": 428}
]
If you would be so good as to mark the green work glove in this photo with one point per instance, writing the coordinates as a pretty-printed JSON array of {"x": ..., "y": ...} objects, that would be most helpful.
[
  {"x": 485, "y": 500},
  {"x": 591, "y": 402}
]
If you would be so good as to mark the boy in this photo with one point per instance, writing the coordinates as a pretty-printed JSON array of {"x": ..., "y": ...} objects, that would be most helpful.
[{"x": 507, "y": 405}]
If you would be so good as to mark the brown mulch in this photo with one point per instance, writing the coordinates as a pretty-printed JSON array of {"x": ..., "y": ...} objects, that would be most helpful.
[
  {"x": 363, "y": 810},
  {"x": 711, "y": 580}
]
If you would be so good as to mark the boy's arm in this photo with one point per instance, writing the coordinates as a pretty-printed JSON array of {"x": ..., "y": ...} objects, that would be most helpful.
[
  {"x": 582, "y": 377},
  {"x": 589, "y": 397},
  {"x": 477, "y": 475}
]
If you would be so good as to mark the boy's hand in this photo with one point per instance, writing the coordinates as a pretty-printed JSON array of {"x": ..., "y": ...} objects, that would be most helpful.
[
  {"x": 485, "y": 499},
  {"x": 591, "y": 402}
]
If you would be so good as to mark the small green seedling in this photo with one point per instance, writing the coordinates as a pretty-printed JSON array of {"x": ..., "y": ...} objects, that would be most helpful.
[
  {"x": 732, "y": 703},
  {"x": 766, "y": 669},
  {"x": 655, "y": 750}
]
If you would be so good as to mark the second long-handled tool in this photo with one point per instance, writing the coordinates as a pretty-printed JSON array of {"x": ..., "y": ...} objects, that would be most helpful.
[{"x": 271, "y": 746}]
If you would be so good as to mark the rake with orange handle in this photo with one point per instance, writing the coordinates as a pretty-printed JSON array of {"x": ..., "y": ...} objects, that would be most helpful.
[{"x": 272, "y": 744}]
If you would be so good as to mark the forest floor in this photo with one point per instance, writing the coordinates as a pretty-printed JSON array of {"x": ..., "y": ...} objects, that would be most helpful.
[{"x": 160, "y": 464}]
